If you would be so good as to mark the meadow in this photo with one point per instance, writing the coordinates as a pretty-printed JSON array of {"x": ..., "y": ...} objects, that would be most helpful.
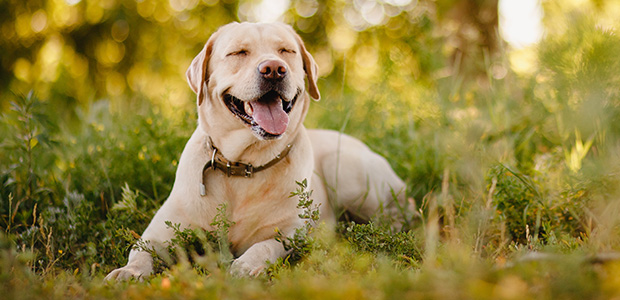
[{"x": 512, "y": 157}]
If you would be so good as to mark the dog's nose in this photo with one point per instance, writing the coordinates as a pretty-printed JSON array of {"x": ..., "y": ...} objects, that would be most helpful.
[{"x": 272, "y": 69}]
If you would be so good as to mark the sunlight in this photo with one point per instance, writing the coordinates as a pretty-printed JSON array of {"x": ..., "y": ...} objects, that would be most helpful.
[
  {"x": 520, "y": 22},
  {"x": 266, "y": 11}
]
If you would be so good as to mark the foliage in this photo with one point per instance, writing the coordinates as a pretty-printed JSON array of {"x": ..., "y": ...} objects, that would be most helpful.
[
  {"x": 301, "y": 242},
  {"x": 24, "y": 180},
  {"x": 514, "y": 170},
  {"x": 376, "y": 238}
]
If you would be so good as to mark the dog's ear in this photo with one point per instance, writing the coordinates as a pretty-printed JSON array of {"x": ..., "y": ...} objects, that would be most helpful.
[
  {"x": 310, "y": 66},
  {"x": 197, "y": 71}
]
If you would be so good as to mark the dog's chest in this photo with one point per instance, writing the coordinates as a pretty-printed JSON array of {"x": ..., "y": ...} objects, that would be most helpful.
[{"x": 257, "y": 210}]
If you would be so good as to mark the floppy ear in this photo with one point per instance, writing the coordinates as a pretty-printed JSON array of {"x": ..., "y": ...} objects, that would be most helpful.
[
  {"x": 197, "y": 71},
  {"x": 310, "y": 66}
]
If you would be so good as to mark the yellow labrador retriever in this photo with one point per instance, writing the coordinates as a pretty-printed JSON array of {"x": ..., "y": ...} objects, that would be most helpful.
[{"x": 250, "y": 147}]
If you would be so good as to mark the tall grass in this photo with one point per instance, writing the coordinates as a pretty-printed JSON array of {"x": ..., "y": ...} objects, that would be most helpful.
[{"x": 515, "y": 181}]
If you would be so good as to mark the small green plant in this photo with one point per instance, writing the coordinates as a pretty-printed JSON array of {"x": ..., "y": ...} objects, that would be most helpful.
[
  {"x": 26, "y": 163},
  {"x": 380, "y": 238},
  {"x": 531, "y": 217},
  {"x": 221, "y": 223},
  {"x": 190, "y": 245},
  {"x": 301, "y": 242}
]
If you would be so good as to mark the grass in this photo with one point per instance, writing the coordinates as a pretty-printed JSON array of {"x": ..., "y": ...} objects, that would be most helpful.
[{"x": 516, "y": 185}]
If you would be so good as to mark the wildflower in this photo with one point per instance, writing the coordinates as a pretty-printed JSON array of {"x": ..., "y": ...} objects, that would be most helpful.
[{"x": 165, "y": 283}]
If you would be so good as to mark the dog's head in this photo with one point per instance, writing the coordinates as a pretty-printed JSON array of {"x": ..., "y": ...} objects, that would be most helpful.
[{"x": 252, "y": 76}]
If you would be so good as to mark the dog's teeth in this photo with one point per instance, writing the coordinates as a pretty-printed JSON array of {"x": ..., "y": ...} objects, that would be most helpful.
[{"x": 248, "y": 108}]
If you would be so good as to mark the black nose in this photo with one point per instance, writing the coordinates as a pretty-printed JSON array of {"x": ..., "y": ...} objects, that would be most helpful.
[{"x": 272, "y": 69}]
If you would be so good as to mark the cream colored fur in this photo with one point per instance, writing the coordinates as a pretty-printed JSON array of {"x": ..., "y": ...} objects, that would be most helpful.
[{"x": 337, "y": 167}]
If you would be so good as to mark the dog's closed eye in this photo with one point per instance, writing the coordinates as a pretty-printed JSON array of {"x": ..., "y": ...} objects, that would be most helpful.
[
  {"x": 241, "y": 52},
  {"x": 287, "y": 50}
]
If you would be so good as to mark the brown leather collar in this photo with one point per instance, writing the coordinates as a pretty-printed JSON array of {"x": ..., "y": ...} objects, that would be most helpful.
[{"x": 219, "y": 162}]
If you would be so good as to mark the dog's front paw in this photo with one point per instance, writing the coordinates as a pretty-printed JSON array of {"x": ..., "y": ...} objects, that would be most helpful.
[
  {"x": 128, "y": 272},
  {"x": 245, "y": 267}
]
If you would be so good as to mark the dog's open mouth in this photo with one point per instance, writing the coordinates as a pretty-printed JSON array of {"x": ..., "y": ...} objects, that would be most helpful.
[{"x": 268, "y": 115}]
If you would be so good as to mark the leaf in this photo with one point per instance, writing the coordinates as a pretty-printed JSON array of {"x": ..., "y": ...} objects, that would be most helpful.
[
  {"x": 128, "y": 200},
  {"x": 33, "y": 143}
]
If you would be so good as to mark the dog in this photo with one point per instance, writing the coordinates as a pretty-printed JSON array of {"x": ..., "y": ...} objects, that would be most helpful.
[{"x": 250, "y": 147}]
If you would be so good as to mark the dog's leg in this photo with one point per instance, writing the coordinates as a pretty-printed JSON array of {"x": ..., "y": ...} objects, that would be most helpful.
[
  {"x": 255, "y": 259},
  {"x": 140, "y": 263}
]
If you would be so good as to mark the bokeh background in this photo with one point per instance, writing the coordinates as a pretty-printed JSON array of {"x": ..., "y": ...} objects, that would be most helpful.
[
  {"x": 122, "y": 50},
  {"x": 503, "y": 117}
]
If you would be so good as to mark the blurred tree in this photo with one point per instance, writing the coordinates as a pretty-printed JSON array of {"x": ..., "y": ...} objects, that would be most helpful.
[
  {"x": 109, "y": 48},
  {"x": 120, "y": 49},
  {"x": 471, "y": 33}
]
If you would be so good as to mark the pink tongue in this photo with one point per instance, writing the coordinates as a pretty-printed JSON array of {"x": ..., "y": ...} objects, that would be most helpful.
[{"x": 270, "y": 116}]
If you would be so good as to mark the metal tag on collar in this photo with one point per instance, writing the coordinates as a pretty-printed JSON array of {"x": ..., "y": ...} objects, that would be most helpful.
[
  {"x": 209, "y": 164},
  {"x": 203, "y": 189}
]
